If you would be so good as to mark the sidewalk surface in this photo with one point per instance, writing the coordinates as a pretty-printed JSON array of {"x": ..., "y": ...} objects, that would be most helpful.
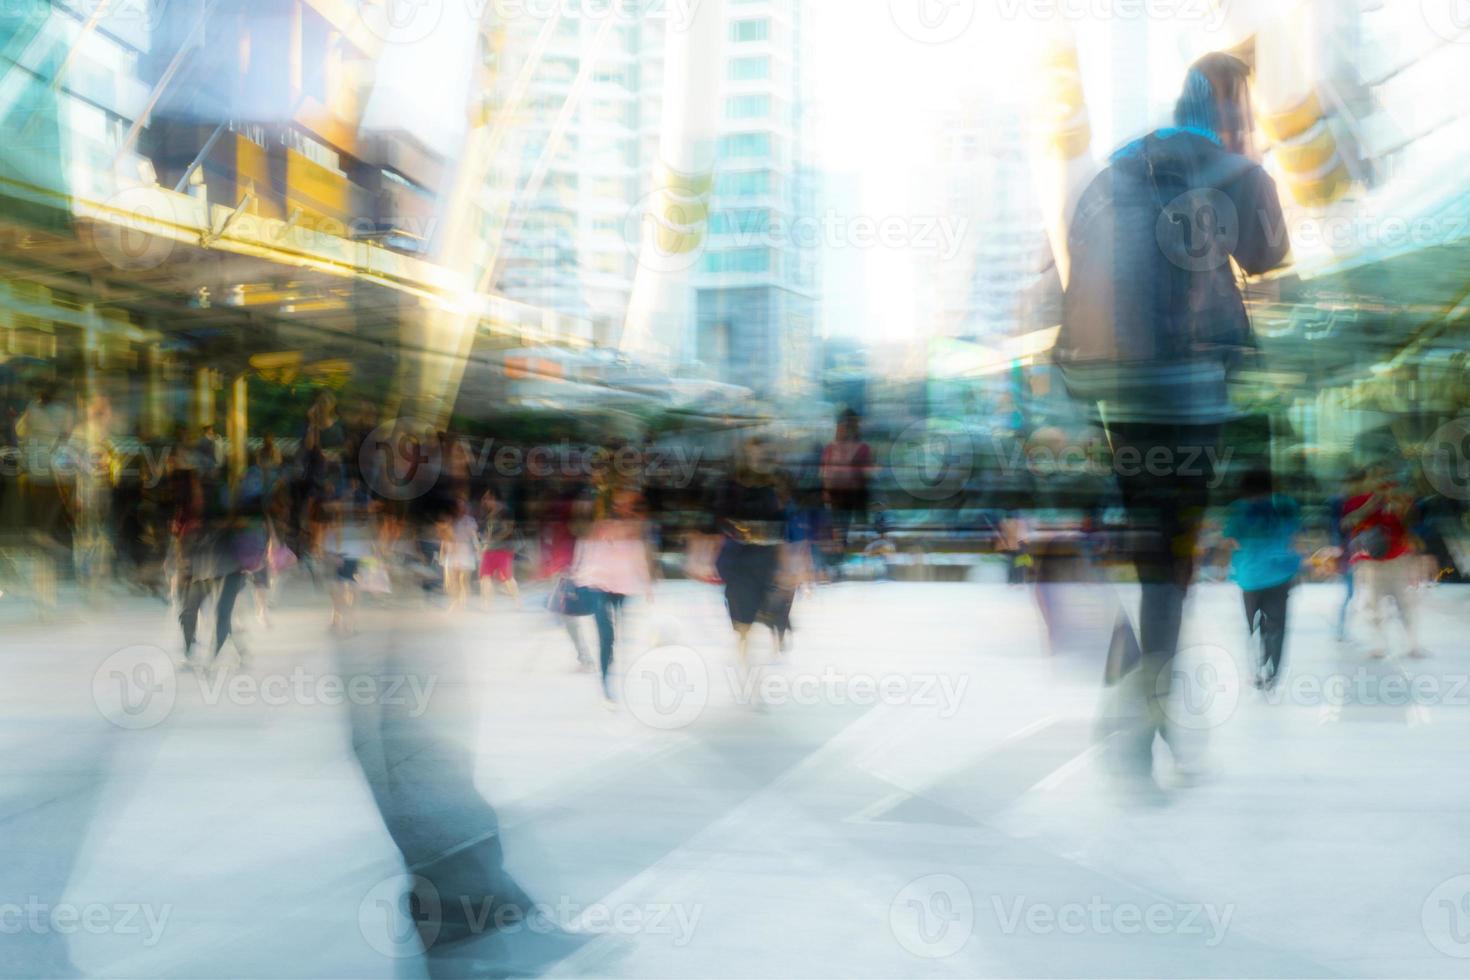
[{"x": 913, "y": 791}]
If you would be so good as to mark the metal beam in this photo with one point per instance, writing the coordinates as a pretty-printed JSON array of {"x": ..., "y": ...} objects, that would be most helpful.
[{"x": 174, "y": 66}]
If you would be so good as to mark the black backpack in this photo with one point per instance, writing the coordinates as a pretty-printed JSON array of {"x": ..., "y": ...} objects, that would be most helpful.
[{"x": 1149, "y": 308}]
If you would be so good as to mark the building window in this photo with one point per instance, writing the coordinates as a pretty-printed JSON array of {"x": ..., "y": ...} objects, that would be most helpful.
[
  {"x": 317, "y": 153},
  {"x": 748, "y": 107},
  {"x": 738, "y": 260},
  {"x": 750, "y": 69},
  {"x": 738, "y": 145},
  {"x": 746, "y": 31},
  {"x": 748, "y": 183},
  {"x": 741, "y": 222}
]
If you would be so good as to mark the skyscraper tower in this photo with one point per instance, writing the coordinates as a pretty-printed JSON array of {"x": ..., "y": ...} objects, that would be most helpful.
[{"x": 755, "y": 288}]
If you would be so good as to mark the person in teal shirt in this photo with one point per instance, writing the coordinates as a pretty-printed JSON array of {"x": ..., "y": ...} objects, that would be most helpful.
[{"x": 1262, "y": 528}]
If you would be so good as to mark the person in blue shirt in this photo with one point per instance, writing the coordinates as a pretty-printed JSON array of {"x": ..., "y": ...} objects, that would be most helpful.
[{"x": 1262, "y": 529}]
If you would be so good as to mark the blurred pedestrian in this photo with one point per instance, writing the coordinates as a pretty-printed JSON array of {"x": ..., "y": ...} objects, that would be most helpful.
[
  {"x": 1151, "y": 330},
  {"x": 1378, "y": 520},
  {"x": 498, "y": 556},
  {"x": 1262, "y": 529},
  {"x": 749, "y": 512},
  {"x": 459, "y": 553},
  {"x": 1341, "y": 539},
  {"x": 45, "y": 430},
  {"x": 556, "y": 551},
  {"x": 615, "y": 560},
  {"x": 847, "y": 464}
]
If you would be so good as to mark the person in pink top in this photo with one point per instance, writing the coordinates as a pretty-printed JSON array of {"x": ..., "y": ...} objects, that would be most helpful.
[{"x": 615, "y": 560}]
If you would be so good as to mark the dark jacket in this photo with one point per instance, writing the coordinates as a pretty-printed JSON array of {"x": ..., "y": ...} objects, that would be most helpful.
[{"x": 1152, "y": 317}]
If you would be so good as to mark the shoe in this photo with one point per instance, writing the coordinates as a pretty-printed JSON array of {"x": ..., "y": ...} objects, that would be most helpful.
[
  {"x": 1419, "y": 653},
  {"x": 1190, "y": 774}
]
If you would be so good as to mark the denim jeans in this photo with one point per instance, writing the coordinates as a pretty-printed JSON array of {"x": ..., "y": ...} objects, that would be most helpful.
[
  {"x": 1165, "y": 489},
  {"x": 607, "y": 608}
]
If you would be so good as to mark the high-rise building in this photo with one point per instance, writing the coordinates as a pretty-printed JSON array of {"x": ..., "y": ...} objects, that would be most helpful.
[
  {"x": 573, "y": 233},
  {"x": 982, "y": 179},
  {"x": 756, "y": 284},
  {"x": 566, "y": 246}
]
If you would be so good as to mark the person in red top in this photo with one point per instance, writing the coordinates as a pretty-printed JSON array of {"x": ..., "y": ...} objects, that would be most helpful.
[
  {"x": 1376, "y": 521},
  {"x": 846, "y": 464},
  {"x": 558, "y": 547}
]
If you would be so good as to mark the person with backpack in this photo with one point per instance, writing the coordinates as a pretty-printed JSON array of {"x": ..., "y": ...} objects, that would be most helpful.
[
  {"x": 1262, "y": 530},
  {"x": 1153, "y": 323}
]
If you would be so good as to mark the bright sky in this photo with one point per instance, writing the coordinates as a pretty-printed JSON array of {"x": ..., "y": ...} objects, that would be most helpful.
[
  {"x": 880, "y": 97},
  {"x": 423, "y": 79},
  {"x": 889, "y": 72},
  {"x": 885, "y": 74}
]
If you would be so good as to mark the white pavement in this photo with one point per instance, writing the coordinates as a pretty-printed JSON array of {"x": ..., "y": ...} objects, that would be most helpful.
[{"x": 918, "y": 795}]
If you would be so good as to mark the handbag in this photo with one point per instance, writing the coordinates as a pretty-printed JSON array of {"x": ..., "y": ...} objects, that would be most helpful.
[
  {"x": 569, "y": 599},
  {"x": 1124, "y": 653},
  {"x": 279, "y": 557},
  {"x": 250, "y": 548}
]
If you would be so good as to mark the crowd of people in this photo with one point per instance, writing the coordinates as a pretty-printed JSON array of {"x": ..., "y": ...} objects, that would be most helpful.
[{"x": 185, "y": 526}]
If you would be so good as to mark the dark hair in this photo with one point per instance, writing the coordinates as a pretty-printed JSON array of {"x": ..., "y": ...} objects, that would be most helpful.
[{"x": 1215, "y": 98}]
